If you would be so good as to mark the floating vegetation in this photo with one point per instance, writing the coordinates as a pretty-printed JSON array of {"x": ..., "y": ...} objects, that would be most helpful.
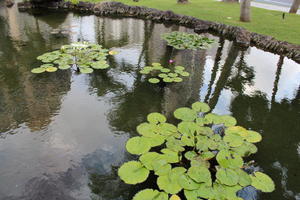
[
  {"x": 181, "y": 40},
  {"x": 83, "y": 56},
  {"x": 192, "y": 157},
  {"x": 159, "y": 73}
]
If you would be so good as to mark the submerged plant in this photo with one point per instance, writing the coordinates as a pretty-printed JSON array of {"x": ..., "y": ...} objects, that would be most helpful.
[
  {"x": 159, "y": 73},
  {"x": 84, "y": 56},
  {"x": 181, "y": 40},
  {"x": 201, "y": 156}
]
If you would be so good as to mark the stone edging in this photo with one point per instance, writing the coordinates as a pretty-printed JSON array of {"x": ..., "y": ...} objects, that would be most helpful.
[{"x": 240, "y": 35}]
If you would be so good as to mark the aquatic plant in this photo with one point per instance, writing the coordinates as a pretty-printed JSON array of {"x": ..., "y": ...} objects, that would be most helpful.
[
  {"x": 83, "y": 56},
  {"x": 201, "y": 156},
  {"x": 181, "y": 40},
  {"x": 158, "y": 73}
]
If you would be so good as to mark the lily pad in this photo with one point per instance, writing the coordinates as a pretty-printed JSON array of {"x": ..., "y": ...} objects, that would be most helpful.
[
  {"x": 38, "y": 70},
  {"x": 148, "y": 158},
  {"x": 185, "y": 114},
  {"x": 177, "y": 79},
  {"x": 187, "y": 183},
  {"x": 154, "y": 80},
  {"x": 51, "y": 69},
  {"x": 155, "y": 118},
  {"x": 199, "y": 174},
  {"x": 149, "y": 194},
  {"x": 200, "y": 107},
  {"x": 86, "y": 70},
  {"x": 167, "y": 80},
  {"x": 138, "y": 145},
  {"x": 180, "y": 68},
  {"x": 64, "y": 67},
  {"x": 185, "y": 74},
  {"x": 175, "y": 197},
  {"x": 228, "y": 159},
  {"x": 227, "y": 176},
  {"x": 262, "y": 182},
  {"x": 133, "y": 172}
]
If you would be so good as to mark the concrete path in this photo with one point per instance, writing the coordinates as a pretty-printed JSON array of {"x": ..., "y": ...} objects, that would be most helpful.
[{"x": 279, "y": 5}]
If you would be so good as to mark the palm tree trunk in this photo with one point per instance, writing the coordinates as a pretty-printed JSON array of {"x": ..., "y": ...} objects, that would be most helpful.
[
  {"x": 182, "y": 1},
  {"x": 245, "y": 11},
  {"x": 295, "y": 6}
]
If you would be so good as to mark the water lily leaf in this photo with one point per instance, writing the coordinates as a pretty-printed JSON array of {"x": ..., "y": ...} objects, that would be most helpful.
[
  {"x": 155, "y": 139},
  {"x": 175, "y": 197},
  {"x": 175, "y": 145},
  {"x": 190, "y": 155},
  {"x": 64, "y": 67},
  {"x": 172, "y": 75},
  {"x": 165, "y": 70},
  {"x": 200, "y": 107},
  {"x": 185, "y": 114},
  {"x": 228, "y": 159},
  {"x": 185, "y": 74},
  {"x": 227, "y": 176},
  {"x": 146, "y": 129},
  {"x": 170, "y": 156},
  {"x": 203, "y": 191},
  {"x": 162, "y": 75},
  {"x": 262, "y": 182},
  {"x": 234, "y": 140},
  {"x": 187, "y": 128},
  {"x": 212, "y": 118},
  {"x": 177, "y": 79},
  {"x": 244, "y": 178},
  {"x": 133, "y": 172},
  {"x": 207, "y": 131},
  {"x": 167, "y": 80},
  {"x": 161, "y": 167},
  {"x": 155, "y": 118},
  {"x": 188, "y": 141},
  {"x": 236, "y": 130},
  {"x": 228, "y": 120},
  {"x": 138, "y": 145},
  {"x": 100, "y": 65},
  {"x": 199, "y": 162},
  {"x": 245, "y": 150},
  {"x": 154, "y": 80},
  {"x": 199, "y": 174},
  {"x": 148, "y": 158},
  {"x": 51, "y": 69},
  {"x": 187, "y": 183},
  {"x": 167, "y": 129},
  {"x": 46, "y": 65},
  {"x": 86, "y": 70},
  {"x": 180, "y": 68},
  {"x": 207, "y": 155},
  {"x": 143, "y": 71},
  {"x": 252, "y": 136},
  {"x": 169, "y": 183},
  {"x": 149, "y": 194},
  {"x": 38, "y": 70},
  {"x": 157, "y": 67}
]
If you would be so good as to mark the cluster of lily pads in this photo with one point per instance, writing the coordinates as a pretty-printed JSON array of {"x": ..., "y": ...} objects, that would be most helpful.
[
  {"x": 181, "y": 40},
  {"x": 84, "y": 56},
  {"x": 159, "y": 73},
  {"x": 201, "y": 156}
]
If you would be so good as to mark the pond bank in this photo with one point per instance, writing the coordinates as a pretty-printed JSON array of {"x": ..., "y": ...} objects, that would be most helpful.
[{"x": 243, "y": 37}]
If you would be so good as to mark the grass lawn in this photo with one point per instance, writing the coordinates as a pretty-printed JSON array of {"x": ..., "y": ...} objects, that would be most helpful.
[{"x": 264, "y": 21}]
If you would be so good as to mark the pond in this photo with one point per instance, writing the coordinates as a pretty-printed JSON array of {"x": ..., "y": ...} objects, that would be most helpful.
[{"x": 62, "y": 135}]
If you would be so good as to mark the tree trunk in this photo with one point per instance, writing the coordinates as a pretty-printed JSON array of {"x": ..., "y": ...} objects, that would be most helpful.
[
  {"x": 182, "y": 1},
  {"x": 245, "y": 11},
  {"x": 295, "y": 6}
]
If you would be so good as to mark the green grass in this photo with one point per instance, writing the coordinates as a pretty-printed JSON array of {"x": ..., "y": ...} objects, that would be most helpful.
[{"x": 264, "y": 21}]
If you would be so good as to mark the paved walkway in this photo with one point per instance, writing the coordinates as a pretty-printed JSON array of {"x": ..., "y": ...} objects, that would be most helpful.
[{"x": 269, "y": 6}]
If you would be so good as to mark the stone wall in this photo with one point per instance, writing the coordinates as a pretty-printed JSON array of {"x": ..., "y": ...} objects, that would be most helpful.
[{"x": 240, "y": 35}]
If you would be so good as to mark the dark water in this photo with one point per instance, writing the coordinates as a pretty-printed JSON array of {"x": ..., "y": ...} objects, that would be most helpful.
[{"x": 62, "y": 135}]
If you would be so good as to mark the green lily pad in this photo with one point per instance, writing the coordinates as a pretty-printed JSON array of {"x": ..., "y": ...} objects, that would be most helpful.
[
  {"x": 169, "y": 183},
  {"x": 228, "y": 159},
  {"x": 170, "y": 156},
  {"x": 262, "y": 182},
  {"x": 162, "y": 75},
  {"x": 244, "y": 178},
  {"x": 252, "y": 136},
  {"x": 64, "y": 67},
  {"x": 38, "y": 70},
  {"x": 146, "y": 129},
  {"x": 199, "y": 174},
  {"x": 149, "y": 194},
  {"x": 86, "y": 70},
  {"x": 165, "y": 70},
  {"x": 155, "y": 118},
  {"x": 148, "y": 158},
  {"x": 177, "y": 79},
  {"x": 228, "y": 120},
  {"x": 138, "y": 145},
  {"x": 227, "y": 176},
  {"x": 133, "y": 172},
  {"x": 187, "y": 183},
  {"x": 234, "y": 140},
  {"x": 185, "y": 114},
  {"x": 185, "y": 74},
  {"x": 180, "y": 68},
  {"x": 167, "y": 80},
  {"x": 190, "y": 155},
  {"x": 51, "y": 69},
  {"x": 200, "y": 107},
  {"x": 154, "y": 80},
  {"x": 172, "y": 75}
]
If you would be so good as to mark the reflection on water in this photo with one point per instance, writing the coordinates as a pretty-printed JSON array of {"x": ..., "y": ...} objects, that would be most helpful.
[{"x": 62, "y": 135}]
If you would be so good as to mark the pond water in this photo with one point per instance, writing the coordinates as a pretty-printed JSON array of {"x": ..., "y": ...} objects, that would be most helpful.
[{"x": 62, "y": 135}]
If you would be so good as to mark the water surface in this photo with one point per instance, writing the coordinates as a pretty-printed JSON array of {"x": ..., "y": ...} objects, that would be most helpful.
[{"x": 62, "y": 135}]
